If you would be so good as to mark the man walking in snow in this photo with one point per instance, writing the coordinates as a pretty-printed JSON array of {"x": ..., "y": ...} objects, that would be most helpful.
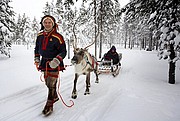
[{"x": 49, "y": 52}]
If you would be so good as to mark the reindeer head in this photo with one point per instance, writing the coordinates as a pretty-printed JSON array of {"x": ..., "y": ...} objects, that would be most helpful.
[{"x": 78, "y": 56}]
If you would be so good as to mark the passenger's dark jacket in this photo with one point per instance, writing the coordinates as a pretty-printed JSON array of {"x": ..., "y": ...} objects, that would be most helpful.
[
  {"x": 112, "y": 54},
  {"x": 48, "y": 46}
]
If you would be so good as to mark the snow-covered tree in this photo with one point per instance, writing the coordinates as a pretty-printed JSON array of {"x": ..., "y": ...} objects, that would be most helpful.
[
  {"x": 35, "y": 29},
  {"x": 68, "y": 18},
  {"x": 47, "y": 9},
  {"x": 164, "y": 22},
  {"x": 22, "y": 32},
  {"x": 6, "y": 21},
  {"x": 167, "y": 20},
  {"x": 59, "y": 12}
]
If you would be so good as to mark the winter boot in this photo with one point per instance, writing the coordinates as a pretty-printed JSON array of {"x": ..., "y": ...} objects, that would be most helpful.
[
  {"x": 48, "y": 109},
  {"x": 56, "y": 98}
]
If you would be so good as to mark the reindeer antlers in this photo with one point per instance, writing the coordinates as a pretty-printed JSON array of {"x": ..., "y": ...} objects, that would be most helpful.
[
  {"x": 75, "y": 38},
  {"x": 92, "y": 42}
]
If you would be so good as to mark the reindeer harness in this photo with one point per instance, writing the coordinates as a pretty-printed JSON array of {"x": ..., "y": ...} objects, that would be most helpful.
[{"x": 87, "y": 62}]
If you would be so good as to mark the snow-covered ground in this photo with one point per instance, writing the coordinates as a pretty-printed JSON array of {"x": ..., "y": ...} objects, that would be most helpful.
[{"x": 139, "y": 93}]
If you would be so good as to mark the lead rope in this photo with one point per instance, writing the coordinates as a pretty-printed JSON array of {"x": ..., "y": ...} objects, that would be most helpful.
[
  {"x": 58, "y": 79},
  {"x": 69, "y": 106}
]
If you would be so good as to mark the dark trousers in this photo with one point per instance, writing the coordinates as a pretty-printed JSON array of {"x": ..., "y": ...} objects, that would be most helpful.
[{"x": 51, "y": 85}]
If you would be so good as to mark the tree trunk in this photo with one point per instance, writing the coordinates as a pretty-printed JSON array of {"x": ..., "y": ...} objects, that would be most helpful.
[
  {"x": 150, "y": 41},
  {"x": 95, "y": 29},
  {"x": 172, "y": 73},
  {"x": 129, "y": 40},
  {"x": 172, "y": 65},
  {"x": 157, "y": 44},
  {"x": 145, "y": 43},
  {"x": 100, "y": 41},
  {"x": 68, "y": 49},
  {"x": 125, "y": 41}
]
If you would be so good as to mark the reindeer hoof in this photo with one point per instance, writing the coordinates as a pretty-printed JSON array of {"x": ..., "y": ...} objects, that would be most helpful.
[
  {"x": 86, "y": 93},
  {"x": 74, "y": 97},
  {"x": 97, "y": 81}
]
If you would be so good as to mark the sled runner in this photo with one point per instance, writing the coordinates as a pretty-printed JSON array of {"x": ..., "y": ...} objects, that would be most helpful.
[{"x": 107, "y": 67}]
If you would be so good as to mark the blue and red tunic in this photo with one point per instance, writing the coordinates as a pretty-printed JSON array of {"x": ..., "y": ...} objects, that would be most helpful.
[{"x": 48, "y": 46}]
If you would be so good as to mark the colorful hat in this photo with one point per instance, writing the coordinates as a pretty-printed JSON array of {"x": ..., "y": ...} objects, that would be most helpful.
[{"x": 50, "y": 18}]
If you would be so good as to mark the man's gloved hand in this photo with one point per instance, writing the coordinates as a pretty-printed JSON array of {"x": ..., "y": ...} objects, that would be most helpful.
[
  {"x": 54, "y": 63},
  {"x": 36, "y": 61}
]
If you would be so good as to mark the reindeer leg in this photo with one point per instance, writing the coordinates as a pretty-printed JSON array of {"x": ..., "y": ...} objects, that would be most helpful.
[
  {"x": 74, "y": 92},
  {"x": 87, "y": 84},
  {"x": 97, "y": 78},
  {"x": 88, "y": 80}
]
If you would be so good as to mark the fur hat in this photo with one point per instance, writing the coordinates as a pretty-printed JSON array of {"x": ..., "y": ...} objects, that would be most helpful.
[{"x": 50, "y": 18}]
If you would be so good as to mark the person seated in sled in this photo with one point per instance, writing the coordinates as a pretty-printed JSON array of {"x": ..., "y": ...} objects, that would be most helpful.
[{"x": 112, "y": 54}]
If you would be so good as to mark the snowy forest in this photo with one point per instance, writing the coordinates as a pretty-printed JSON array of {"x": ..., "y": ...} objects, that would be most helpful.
[{"x": 143, "y": 24}]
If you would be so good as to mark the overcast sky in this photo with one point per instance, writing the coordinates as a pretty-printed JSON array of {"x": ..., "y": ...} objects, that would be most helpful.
[
  {"x": 30, "y": 7},
  {"x": 34, "y": 8}
]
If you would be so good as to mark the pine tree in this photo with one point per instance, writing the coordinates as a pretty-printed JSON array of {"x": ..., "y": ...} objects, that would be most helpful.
[
  {"x": 59, "y": 11},
  {"x": 47, "y": 9},
  {"x": 6, "y": 21},
  {"x": 22, "y": 32},
  {"x": 35, "y": 29}
]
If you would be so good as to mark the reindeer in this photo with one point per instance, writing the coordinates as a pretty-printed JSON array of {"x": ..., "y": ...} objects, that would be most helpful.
[{"x": 84, "y": 63}]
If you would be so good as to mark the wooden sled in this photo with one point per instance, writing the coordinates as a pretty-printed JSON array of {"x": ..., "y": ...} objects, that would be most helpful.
[{"x": 107, "y": 67}]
